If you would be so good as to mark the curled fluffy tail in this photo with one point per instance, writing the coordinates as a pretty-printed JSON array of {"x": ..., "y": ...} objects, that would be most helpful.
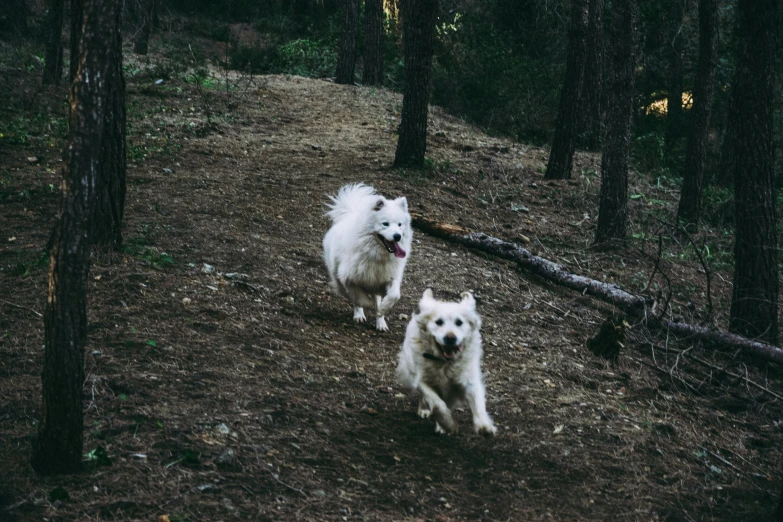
[{"x": 353, "y": 198}]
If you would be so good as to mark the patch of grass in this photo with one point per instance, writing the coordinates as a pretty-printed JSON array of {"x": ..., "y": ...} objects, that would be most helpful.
[
  {"x": 139, "y": 248},
  {"x": 25, "y": 130}
]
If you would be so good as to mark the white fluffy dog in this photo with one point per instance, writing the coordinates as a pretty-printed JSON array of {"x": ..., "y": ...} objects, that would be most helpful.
[
  {"x": 441, "y": 358},
  {"x": 367, "y": 248}
]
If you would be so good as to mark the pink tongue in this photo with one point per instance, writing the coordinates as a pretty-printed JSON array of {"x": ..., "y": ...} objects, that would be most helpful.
[{"x": 398, "y": 251}]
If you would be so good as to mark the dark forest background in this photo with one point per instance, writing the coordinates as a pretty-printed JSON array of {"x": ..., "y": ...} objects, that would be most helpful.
[{"x": 497, "y": 63}]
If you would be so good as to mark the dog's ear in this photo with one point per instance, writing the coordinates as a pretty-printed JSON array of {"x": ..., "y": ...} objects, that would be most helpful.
[
  {"x": 378, "y": 205},
  {"x": 427, "y": 301},
  {"x": 403, "y": 203},
  {"x": 468, "y": 300}
]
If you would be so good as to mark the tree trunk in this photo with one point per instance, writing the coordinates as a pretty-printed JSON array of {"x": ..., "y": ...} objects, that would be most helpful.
[
  {"x": 562, "y": 153},
  {"x": 689, "y": 210},
  {"x": 110, "y": 197},
  {"x": 77, "y": 23},
  {"x": 346, "y": 58},
  {"x": 17, "y": 16},
  {"x": 58, "y": 447},
  {"x": 53, "y": 64},
  {"x": 674, "y": 96},
  {"x": 613, "y": 207},
  {"x": 754, "y": 301},
  {"x": 418, "y": 35},
  {"x": 373, "y": 42},
  {"x": 143, "y": 27},
  {"x": 590, "y": 113},
  {"x": 155, "y": 15}
]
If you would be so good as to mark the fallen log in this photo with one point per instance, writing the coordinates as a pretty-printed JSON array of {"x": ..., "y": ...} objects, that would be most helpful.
[{"x": 636, "y": 306}]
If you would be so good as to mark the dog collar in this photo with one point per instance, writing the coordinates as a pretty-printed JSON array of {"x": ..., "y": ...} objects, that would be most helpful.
[{"x": 433, "y": 357}]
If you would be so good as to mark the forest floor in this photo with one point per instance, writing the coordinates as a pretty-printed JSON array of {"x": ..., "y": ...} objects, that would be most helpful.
[{"x": 216, "y": 396}]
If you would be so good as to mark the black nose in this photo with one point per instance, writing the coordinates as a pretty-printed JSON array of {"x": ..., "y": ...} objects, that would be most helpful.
[
  {"x": 397, "y": 237},
  {"x": 450, "y": 339}
]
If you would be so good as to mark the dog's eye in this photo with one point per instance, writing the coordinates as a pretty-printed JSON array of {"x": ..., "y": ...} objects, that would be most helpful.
[
  {"x": 386, "y": 224},
  {"x": 458, "y": 322},
  {"x": 400, "y": 224},
  {"x": 439, "y": 322}
]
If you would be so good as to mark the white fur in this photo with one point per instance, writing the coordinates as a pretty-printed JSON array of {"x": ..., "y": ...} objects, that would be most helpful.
[
  {"x": 443, "y": 382},
  {"x": 361, "y": 268}
]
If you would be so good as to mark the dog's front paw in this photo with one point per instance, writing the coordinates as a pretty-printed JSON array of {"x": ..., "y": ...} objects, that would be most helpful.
[
  {"x": 380, "y": 325},
  {"x": 358, "y": 315},
  {"x": 486, "y": 429}
]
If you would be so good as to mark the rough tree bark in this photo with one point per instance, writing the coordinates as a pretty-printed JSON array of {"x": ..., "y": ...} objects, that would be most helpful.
[
  {"x": 689, "y": 209},
  {"x": 110, "y": 198},
  {"x": 373, "y": 42},
  {"x": 562, "y": 154},
  {"x": 77, "y": 23},
  {"x": 53, "y": 64},
  {"x": 674, "y": 95},
  {"x": 613, "y": 207},
  {"x": 754, "y": 301},
  {"x": 418, "y": 35},
  {"x": 636, "y": 306},
  {"x": 346, "y": 57},
  {"x": 143, "y": 27},
  {"x": 592, "y": 88},
  {"x": 58, "y": 447}
]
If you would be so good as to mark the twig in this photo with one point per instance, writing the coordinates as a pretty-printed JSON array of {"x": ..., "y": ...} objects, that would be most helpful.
[
  {"x": 672, "y": 376},
  {"x": 701, "y": 260},
  {"x": 274, "y": 476},
  {"x": 736, "y": 376},
  {"x": 721, "y": 459},
  {"x": 655, "y": 268},
  {"x": 22, "y": 307}
]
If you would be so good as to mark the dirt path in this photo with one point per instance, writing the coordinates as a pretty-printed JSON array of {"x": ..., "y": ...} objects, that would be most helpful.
[{"x": 217, "y": 401}]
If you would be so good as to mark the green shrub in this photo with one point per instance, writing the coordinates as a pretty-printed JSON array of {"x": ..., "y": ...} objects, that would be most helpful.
[{"x": 301, "y": 57}]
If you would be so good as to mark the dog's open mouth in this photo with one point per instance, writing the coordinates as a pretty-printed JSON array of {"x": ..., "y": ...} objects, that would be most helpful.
[
  {"x": 449, "y": 352},
  {"x": 393, "y": 247}
]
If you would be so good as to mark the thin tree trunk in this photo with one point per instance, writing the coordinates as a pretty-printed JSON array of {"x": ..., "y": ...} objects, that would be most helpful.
[
  {"x": 155, "y": 15},
  {"x": 689, "y": 209},
  {"x": 727, "y": 154},
  {"x": 142, "y": 41},
  {"x": 674, "y": 96},
  {"x": 58, "y": 447},
  {"x": 77, "y": 23},
  {"x": 53, "y": 64},
  {"x": 373, "y": 42},
  {"x": 346, "y": 58},
  {"x": 590, "y": 126},
  {"x": 562, "y": 153},
  {"x": 754, "y": 301},
  {"x": 110, "y": 197},
  {"x": 17, "y": 16},
  {"x": 418, "y": 35},
  {"x": 613, "y": 208}
]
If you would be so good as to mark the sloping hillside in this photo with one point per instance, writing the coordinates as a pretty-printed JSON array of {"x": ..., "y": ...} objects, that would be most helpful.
[{"x": 256, "y": 397}]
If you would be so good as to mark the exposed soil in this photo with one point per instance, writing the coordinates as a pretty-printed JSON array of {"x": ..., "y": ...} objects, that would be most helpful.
[{"x": 256, "y": 397}]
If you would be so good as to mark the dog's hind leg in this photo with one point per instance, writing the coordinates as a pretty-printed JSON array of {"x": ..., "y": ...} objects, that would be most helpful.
[
  {"x": 380, "y": 321},
  {"x": 440, "y": 412},
  {"x": 475, "y": 395},
  {"x": 357, "y": 298}
]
